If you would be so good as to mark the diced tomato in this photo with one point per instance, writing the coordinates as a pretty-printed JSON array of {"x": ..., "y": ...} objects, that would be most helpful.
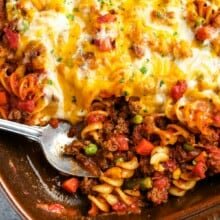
[
  {"x": 122, "y": 142},
  {"x": 56, "y": 208},
  {"x": 204, "y": 33},
  {"x": 71, "y": 185},
  {"x": 12, "y": 38},
  {"x": 54, "y": 122},
  {"x": 107, "y": 18},
  {"x": 161, "y": 183},
  {"x": 92, "y": 118},
  {"x": 3, "y": 98},
  {"x": 201, "y": 157},
  {"x": 178, "y": 90},
  {"x": 105, "y": 44},
  {"x": 93, "y": 211},
  {"x": 119, "y": 207},
  {"x": 144, "y": 147},
  {"x": 199, "y": 169},
  {"x": 170, "y": 165},
  {"x": 216, "y": 118},
  {"x": 27, "y": 106}
]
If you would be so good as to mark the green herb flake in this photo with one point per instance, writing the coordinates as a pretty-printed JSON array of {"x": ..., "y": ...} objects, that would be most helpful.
[
  {"x": 70, "y": 17},
  {"x": 125, "y": 93},
  {"x": 76, "y": 9},
  {"x": 161, "y": 83},
  {"x": 159, "y": 14},
  {"x": 50, "y": 82},
  {"x": 122, "y": 80},
  {"x": 59, "y": 59},
  {"x": 143, "y": 69},
  {"x": 25, "y": 26},
  {"x": 145, "y": 110}
]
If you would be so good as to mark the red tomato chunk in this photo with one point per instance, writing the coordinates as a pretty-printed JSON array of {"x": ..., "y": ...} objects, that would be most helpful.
[
  {"x": 122, "y": 142},
  {"x": 178, "y": 90},
  {"x": 107, "y": 18},
  {"x": 144, "y": 147},
  {"x": 204, "y": 33},
  {"x": 119, "y": 207},
  {"x": 3, "y": 98},
  {"x": 199, "y": 170},
  {"x": 93, "y": 118},
  {"x": 71, "y": 185},
  {"x": 27, "y": 106},
  {"x": 104, "y": 45},
  {"x": 12, "y": 38}
]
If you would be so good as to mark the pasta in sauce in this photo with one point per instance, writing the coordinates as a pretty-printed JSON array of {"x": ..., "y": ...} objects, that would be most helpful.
[{"x": 142, "y": 78}]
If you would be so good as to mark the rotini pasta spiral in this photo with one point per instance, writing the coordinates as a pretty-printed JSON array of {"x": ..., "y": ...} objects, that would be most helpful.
[{"x": 110, "y": 192}]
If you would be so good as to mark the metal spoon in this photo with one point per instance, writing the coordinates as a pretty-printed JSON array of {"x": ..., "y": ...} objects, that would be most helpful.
[{"x": 52, "y": 141}]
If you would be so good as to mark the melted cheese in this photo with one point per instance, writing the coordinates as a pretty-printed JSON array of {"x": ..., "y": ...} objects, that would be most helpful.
[{"x": 66, "y": 29}]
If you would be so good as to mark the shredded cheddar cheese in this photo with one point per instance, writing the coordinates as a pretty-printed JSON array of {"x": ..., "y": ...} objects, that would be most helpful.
[{"x": 129, "y": 47}]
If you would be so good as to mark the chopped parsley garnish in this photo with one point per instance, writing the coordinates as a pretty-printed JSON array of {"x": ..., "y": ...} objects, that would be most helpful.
[
  {"x": 76, "y": 10},
  {"x": 175, "y": 33},
  {"x": 143, "y": 69},
  {"x": 25, "y": 26},
  {"x": 70, "y": 17},
  {"x": 161, "y": 83},
  {"x": 59, "y": 59},
  {"x": 199, "y": 21},
  {"x": 159, "y": 14},
  {"x": 145, "y": 110},
  {"x": 50, "y": 82},
  {"x": 122, "y": 80},
  {"x": 125, "y": 93}
]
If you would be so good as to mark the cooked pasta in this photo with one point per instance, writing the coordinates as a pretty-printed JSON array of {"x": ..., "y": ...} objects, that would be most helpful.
[
  {"x": 111, "y": 193},
  {"x": 138, "y": 80},
  {"x": 152, "y": 155}
]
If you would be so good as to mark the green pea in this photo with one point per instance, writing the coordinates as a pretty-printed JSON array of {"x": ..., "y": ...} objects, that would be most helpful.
[
  {"x": 146, "y": 183},
  {"x": 138, "y": 119},
  {"x": 131, "y": 183},
  {"x": 91, "y": 149},
  {"x": 188, "y": 147},
  {"x": 119, "y": 159}
]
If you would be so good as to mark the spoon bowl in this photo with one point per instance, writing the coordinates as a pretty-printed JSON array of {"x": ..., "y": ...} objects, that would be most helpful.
[{"x": 52, "y": 141}]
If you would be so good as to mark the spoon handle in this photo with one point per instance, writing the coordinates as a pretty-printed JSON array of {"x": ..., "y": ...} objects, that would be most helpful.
[{"x": 31, "y": 132}]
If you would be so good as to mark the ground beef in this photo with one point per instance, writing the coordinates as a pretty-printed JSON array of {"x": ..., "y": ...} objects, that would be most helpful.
[
  {"x": 138, "y": 133},
  {"x": 162, "y": 122},
  {"x": 116, "y": 142},
  {"x": 144, "y": 166},
  {"x": 87, "y": 184},
  {"x": 122, "y": 126},
  {"x": 159, "y": 193},
  {"x": 2, "y": 13},
  {"x": 108, "y": 127},
  {"x": 134, "y": 105},
  {"x": 170, "y": 165},
  {"x": 88, "y": 164},
  {"x": 213, "y": 159},
  {"x": 211, "y": 138},
  {"x": 102, "y": 160},
  {"x": 183, "y": 156},
  {"x": 74, "y": 147}
]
